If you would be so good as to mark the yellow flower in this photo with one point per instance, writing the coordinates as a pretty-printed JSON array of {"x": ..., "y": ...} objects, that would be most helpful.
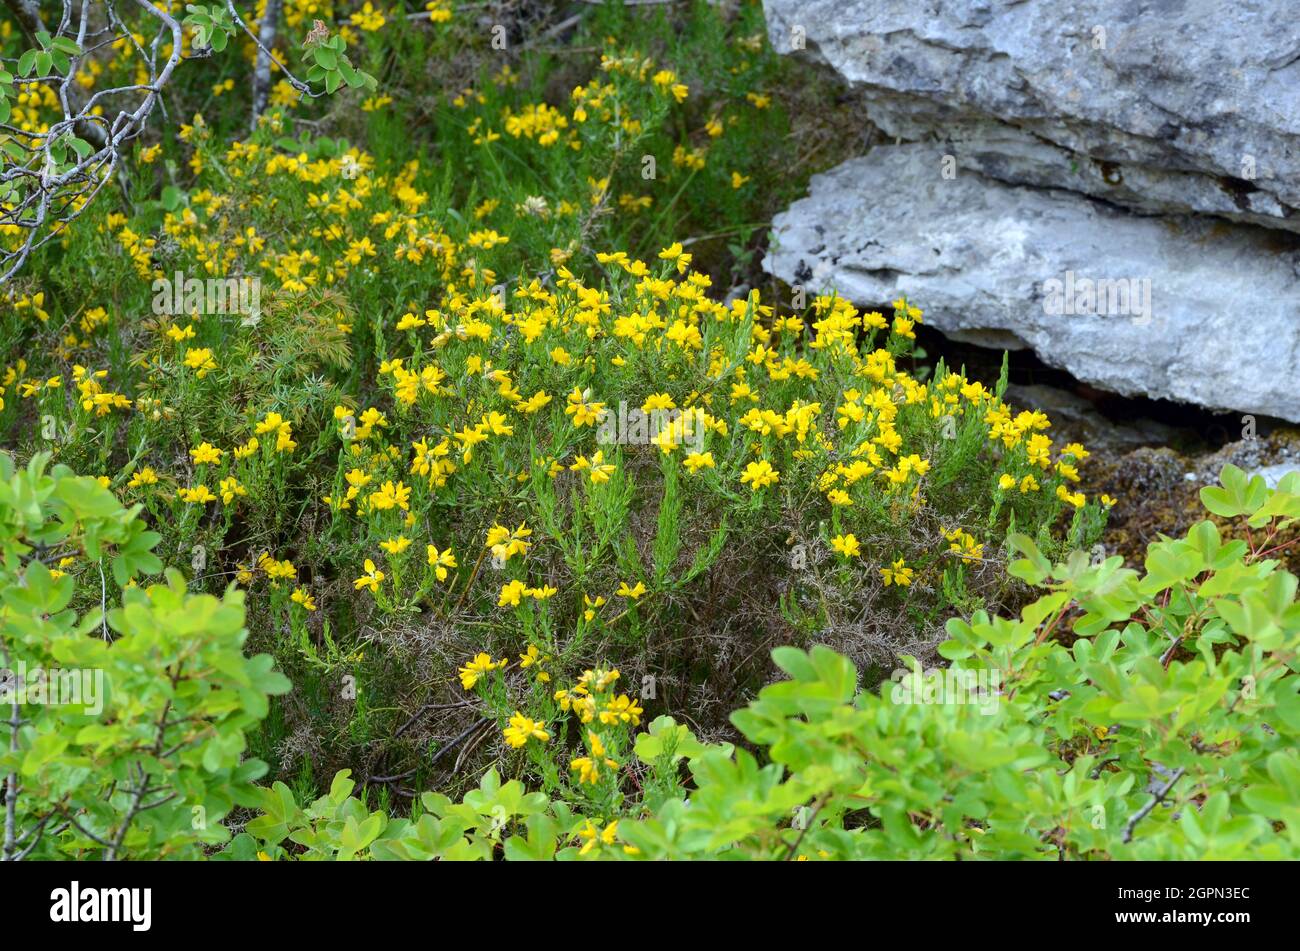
[
  {"x": 583, "y": 412},
  {"x": 599, "y": 470},
  {"x": 505, "y": 544},
  {"x": 396, "y": 545},
  {"x": 303, "y": 596},
  {"x": 897, "y": 574},
  {"x": 482, "y": 664},
  {"x": 370, "y": 579},
  {"x": 390, "y": 495},
  {"x": 512, "y": 593},
  {"x": 846, "y": 545},
  {"x": 760, "y": 474},
  {"x": 368, "y": 18},
  {"x": 588, "y": 767},
  {"x": 621, "y": 709},
  {"x": 200, "y": 360},
  {"x": 440, "y": 561},
  {"x": 535, "y": 402},
  {"x": 275, "y": 423},
  {"x": 1076, "y": 499},
  {"x": 674, "y": 253},
  {"x": 698, "y": 460},
  {"x": 143, "y": 476},
  {"x": 589, "y": 614},
  {"x": 593, "y": 836},
  {"x": 532, "y": 656},
  {"x": 522, "y": 729},
  {"x": 278, "y": 570},
  {"x": 198, "y": 495},
  {"x": 230, "y": 488},
  {"x": 634, "y": 593}
]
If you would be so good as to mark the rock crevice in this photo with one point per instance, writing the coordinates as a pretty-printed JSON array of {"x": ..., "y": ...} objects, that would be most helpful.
[{"x": 1100, "y": 147}]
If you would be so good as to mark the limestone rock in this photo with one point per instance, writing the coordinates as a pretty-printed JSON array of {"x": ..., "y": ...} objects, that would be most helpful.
[{"x": 1189, "y": 308}]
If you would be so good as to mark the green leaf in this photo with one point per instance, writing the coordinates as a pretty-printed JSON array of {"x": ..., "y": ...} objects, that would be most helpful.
[
  {"x": 1033, "y": 568},
  {"x": 1238, "y": 496}
]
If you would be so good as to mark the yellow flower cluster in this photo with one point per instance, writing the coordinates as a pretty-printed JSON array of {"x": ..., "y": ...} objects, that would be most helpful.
[{"x": 592, "y": 698}]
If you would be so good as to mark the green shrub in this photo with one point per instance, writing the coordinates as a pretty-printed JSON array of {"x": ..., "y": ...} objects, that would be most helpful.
[{"x": 125, "y": 730}]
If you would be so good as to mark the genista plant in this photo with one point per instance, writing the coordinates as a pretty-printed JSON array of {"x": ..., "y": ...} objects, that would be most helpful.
[
  {"x": 1122, "y": 715},
  {"x": 459, "y": 397},
  {"x": 488, "y": 400}
]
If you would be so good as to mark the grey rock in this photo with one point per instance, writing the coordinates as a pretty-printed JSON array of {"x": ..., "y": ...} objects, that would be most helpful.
[
  {"x": 1213, "y": 309},
  {"x": 1274, "y": 474},
  {"x": 1272, "y": 458},
  {"x": 1167, "y": 106}
]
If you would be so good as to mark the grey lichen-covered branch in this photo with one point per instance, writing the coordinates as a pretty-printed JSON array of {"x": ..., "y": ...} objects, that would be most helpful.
[
  {"x": 267, "y": 31},
  {"x": 48, "y": 178}
]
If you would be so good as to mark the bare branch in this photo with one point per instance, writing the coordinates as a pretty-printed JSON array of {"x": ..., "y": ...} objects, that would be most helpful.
[{"x": 267, "y": 33}]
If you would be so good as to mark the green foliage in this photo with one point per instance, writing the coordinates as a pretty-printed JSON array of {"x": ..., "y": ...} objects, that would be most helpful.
[
  {"x": 515, "y": 245},
  {"x": 125, "y": 731},
  {"x": 329, "y": 63},
  {"x": 212, "y": 25}
]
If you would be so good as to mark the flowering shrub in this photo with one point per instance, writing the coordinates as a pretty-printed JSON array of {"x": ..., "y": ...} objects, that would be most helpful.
[
  {"x": 519, "y": 472},
  {"x": 421, "y": 416},
  {"x": 1130, "y": 714},
  {"x": 523, "y": 481}
]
